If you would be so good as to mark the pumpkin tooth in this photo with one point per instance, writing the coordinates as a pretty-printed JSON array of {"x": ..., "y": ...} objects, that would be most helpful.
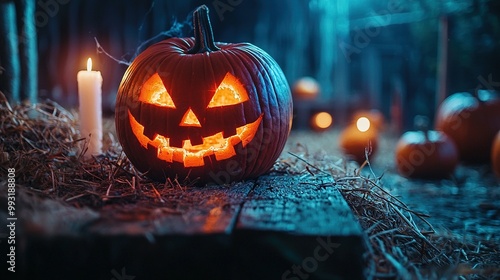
[
  {"x": 226, "y": 152},
  {"x": 165, "y": 153},
  {"x": 178, "y": 154},
  {"x": 193, "y": 160}
]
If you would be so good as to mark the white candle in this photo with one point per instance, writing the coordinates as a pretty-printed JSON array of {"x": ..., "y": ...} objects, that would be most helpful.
[{"x": 89, "y": 97}]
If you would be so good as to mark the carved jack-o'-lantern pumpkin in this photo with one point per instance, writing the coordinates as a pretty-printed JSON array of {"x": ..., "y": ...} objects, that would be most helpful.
[{"x": 191, "y": 107}]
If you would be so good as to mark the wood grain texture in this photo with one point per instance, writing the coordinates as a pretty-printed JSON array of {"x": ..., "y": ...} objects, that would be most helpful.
[
  {"x": 292, "y": 228},
  {"x": 186, "y": 237},
  {"x": 298, "y": 206},
  {"x": 275, "y": 227},
  {"x": 208, "y": 210}
]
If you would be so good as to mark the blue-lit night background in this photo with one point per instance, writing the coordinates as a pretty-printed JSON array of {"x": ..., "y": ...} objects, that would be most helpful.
[
  {"x": 364, "y": 54},
  {"x": 395, "y": 136}
]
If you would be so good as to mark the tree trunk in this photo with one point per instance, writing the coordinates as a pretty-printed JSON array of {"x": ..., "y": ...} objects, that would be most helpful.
[
  {"x": 442, "y": 73},
  {"x": 28, "y": 52},
  {"x": 341, "y": 80},
  {"x": 326, "y": 47},
  {"x": 10, "y": 71}
]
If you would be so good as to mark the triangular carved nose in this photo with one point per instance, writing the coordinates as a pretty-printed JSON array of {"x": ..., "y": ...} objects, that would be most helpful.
[{"x": 190, "y": 119}]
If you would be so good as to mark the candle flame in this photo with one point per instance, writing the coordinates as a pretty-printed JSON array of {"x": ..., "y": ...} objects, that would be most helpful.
[
  {"x": 89, "y": 64},
  {"x": 363, "y": 124}
]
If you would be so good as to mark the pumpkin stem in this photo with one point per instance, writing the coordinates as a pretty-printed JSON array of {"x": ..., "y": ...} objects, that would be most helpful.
[
  {"x": 483, "y": 95},
  {"x": 203, "y": 33},
  {"x": 421, "y": 123},
  {"x": 476, "y": 95}
]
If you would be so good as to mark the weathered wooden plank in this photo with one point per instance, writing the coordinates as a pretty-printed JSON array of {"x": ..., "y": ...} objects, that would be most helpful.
[
  {"x": 277, "y": 227},
  {"x": 299, "y": 206},
  {"x": 291, "y": 228},
  {"x": 188, "y": 238},
  {"x": 207, "y": 210},
  {"x": 97, "y": 256}
]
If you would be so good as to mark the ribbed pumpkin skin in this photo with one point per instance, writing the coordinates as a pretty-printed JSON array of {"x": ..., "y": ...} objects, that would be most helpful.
[
  {"x": 471, "y": 124},
  {"x": 191, "y": 80},
  {"x": 431, "y": 157},
  {"x": 495, "y": 155}
]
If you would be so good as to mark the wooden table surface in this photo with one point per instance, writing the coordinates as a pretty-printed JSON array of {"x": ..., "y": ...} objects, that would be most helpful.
[{"x": 275, "y": 227}]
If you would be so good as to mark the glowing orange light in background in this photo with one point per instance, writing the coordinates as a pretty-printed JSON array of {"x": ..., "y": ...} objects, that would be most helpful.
[
  {"x": 363, "y": 124},
  {"x": 322, "y": 120}
]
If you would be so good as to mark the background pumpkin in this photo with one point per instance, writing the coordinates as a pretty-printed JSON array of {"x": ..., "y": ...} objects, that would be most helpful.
[
  {"x": 306, "y": 88},
  {"x": 426, "y": 154},
  {"x": 375, "y": 116},
  {"x": 192, "y": 107},
  {"x": 359, "y": 140},
  {"x": 472, "y": 122},
  {"x": 495, "y": 155}
]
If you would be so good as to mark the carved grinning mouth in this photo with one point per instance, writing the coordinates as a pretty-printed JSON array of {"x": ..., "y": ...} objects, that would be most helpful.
[{"x": 192, "y": 156}]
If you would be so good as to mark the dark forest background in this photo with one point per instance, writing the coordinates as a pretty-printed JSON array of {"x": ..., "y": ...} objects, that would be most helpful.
[{"x": 364, "y": 53}]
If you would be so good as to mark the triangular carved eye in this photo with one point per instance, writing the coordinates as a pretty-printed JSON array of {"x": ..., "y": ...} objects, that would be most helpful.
[
  {"x": 229, "y": 92},
  {"x": 154, "y": 92}
]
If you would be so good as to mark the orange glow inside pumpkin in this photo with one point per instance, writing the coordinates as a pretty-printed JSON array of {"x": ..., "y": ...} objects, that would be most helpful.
[
  {"x": 192, "y": 156},
  {"x": 154, "y": 92},
  {"x": 190, "y": 119},
  {"x": 229, "y": 92}
]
